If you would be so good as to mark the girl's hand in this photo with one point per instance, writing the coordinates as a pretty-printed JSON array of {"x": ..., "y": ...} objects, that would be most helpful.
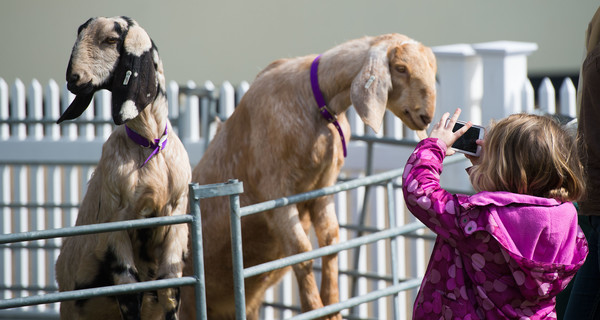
[
  {"x": 443, "y": 130},
  {"x": 476, "y": 160}
]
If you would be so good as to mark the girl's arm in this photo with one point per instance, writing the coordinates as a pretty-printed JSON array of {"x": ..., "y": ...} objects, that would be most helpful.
[{"x": 424, "y": 196}]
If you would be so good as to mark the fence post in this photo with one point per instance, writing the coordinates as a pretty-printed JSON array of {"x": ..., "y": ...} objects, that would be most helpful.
[
  {"x": 460, "y": 79},
  {"x": 504, "y": 76},
  {"x": 197, "y": 252},
  {"x": 395, "y": 268},
  {"x": 238, "y": 259}
]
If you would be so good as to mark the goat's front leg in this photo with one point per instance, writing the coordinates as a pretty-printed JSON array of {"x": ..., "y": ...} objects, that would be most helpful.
[
  {"x": 326, "y": 227},
  {"x": 286, "y": 225},
  {"x": 118, "y": 257},
  {"x": 171, "y": 266}
]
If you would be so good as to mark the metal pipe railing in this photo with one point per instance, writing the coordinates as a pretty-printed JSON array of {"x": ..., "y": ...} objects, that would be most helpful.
[
  {"x": 196, "y": 193},
  {"x": 241, "y": 273}
]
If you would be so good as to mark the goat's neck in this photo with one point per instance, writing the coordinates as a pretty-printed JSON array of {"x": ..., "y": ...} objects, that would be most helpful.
[{"x": 151, "y": 122}]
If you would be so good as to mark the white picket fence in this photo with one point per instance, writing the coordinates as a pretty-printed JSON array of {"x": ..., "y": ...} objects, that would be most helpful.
[{"x": 44, "y": 167}]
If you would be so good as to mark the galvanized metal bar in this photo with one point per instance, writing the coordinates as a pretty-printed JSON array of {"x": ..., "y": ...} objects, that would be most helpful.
[
  {"x": 361, "y": 220},
  {"x": 46, "y": 205},
  {"x": 228, "y": 188},
  {"x": 16, "y": 314},
  {"x": 393, "y": 248},
  {"x": 371, "y": 296},
  {"x": 94, "y": 228},
  {"x": 97, "y": 292},
  {"x": 197, "y": 252},
  {"x": 316, "y": 253},
  {"x": 196, "y": 193},
  {"x": 238, "y": 257},
  {"x": 343, "y": 186},
  {"x": 29, "y": 288}
]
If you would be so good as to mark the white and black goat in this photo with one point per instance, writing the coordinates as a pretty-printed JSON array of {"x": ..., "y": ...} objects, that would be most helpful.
[{"x": 143, "y": 172}]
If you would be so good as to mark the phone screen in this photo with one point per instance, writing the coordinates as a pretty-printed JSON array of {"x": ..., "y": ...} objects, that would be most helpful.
[{"x": 466, "y": 141}]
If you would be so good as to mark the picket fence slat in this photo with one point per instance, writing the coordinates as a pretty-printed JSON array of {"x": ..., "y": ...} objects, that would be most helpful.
[
  {"x": 5, "y": 227},
  {"x": 546, "y": 96},
  {"x": 4, "y": 113},
  {"x": 528, "y": 97},
  {"x": 52, "y": 110},
  {"x": 35, "y": 110},
  {"x": 17, "y": 104},
  {"x": 568, "y": 96}
]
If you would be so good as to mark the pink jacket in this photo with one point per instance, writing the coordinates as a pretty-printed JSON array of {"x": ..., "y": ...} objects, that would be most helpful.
[{"x": 498, "y": 255}]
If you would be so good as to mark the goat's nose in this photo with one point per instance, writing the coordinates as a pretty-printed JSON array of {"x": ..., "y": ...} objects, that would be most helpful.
[
  {"x": 73, "y": 78},
  {"x": 425, "y": 118}
]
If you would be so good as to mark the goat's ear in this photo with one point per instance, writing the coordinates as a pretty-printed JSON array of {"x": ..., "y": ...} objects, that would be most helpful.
[
  {"x": 77, "y": 107},
  {"x": 370, "y": 88},
  {"x": 134, "y": 84}
]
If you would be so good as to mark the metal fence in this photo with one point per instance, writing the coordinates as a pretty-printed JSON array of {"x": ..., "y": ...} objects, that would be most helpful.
[
  {"x": 234, "y": 189},
  {"x": 196, "y": 193}
]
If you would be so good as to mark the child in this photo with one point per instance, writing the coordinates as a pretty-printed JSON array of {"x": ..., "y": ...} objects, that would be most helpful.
[{"x": 507, "y": 251}]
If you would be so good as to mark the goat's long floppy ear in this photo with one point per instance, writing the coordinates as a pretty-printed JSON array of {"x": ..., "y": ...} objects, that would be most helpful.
[
  {"x": 370, "y": 88},
  {"x": 77, "y": 107},
  {"x": 134, "y": 84}
]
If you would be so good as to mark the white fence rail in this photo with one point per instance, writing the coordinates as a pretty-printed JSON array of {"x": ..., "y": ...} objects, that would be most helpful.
[{"x": 44, "y": 167}]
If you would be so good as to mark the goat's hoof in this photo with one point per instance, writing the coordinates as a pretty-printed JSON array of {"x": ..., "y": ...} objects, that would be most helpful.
[{"x": 336, "y": 316}]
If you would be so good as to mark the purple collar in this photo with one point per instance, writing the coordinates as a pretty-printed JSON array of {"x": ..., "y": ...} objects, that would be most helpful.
[
  {"x": 157, "y": 145},
  {"x": 327, "y": 115}
]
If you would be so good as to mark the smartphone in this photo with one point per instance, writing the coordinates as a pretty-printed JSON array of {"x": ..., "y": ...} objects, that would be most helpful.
[{"x": 466, "y": 143}]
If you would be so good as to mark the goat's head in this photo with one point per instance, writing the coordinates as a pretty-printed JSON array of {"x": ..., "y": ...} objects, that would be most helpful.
[
  {"x": 398, "y": 74},
  {"x": 114, "y": 54}
]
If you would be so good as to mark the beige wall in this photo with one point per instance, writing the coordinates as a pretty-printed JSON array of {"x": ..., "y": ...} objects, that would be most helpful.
[{"x": 233, "y": 39}]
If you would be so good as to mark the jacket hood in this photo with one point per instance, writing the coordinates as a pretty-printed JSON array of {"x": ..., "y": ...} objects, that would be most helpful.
[{"x": 529, "y": 229}]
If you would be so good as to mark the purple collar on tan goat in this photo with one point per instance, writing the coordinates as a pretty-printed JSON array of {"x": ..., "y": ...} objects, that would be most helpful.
[
  {"x": 327, "y": 115},
  {"x": 157, "y": 145}
]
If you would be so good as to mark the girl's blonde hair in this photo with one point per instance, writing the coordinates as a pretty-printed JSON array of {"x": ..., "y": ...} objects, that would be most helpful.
[{"x": 530, "y": 154}]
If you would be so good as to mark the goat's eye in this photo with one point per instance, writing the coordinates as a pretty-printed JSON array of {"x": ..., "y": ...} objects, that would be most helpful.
[
  {"x": 401, "y": 69},
  {"x": 111, "y": 40}
]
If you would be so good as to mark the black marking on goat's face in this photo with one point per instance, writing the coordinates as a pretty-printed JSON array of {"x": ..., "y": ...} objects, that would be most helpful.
[
  {"x": 135, "y": 83},
  {"x": 95, "y": 54},
  {"x": 114, "y": 54}
]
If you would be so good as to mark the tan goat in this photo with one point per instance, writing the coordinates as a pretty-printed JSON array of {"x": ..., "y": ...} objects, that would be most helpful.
[
  {"x": 136, "y": 178},
  {"x": 278, "y": 144}
]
